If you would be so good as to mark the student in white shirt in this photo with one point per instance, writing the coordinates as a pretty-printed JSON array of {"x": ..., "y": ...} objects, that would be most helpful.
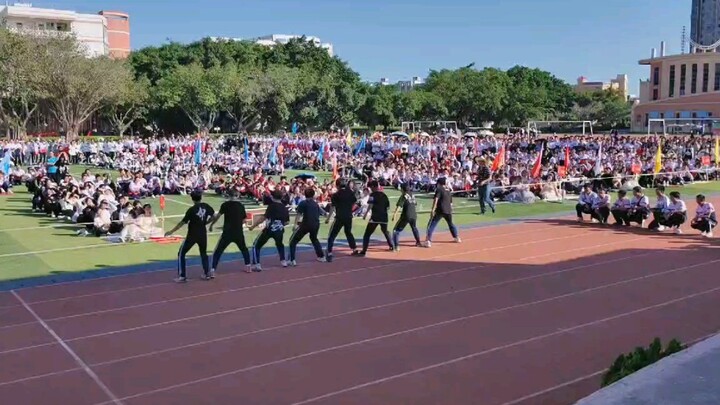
[
  {"x": 659, "y": 210},
  {"x": 585, "y": 203},
  {"x": 639, "y": 207},
  {"x": 673, "y": 215},
  {"x": 601, "y": 206},
  {"x": 705, "y": 219},
  {"x": 621, "y": 208}
]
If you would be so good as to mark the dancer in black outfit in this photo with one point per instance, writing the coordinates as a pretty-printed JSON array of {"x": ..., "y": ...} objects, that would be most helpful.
[
  {"x": 276, "y": 217},
  {"x": 342, "y": 205},
  {"x": 378, "y": 210},
  {"x": 232, "y": 232},
  {"x": 196, "y": 217},
  {"x": 307, "y": 222},
  {"x": 408, "y": 216}
]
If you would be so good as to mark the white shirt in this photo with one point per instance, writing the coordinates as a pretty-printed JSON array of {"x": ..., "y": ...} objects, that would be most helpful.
[
  {"x": 705, "y": 210},
  {"x": 673, "y": 207}
]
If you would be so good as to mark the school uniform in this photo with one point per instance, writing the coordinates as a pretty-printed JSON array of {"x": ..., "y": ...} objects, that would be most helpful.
[
  {"x": 639, "y": 209},
  {"x": 620, "y": 210},
  {"x": 276, "y": 217},
  {"x": 310, "y": 225},
  {"x": 378, "y": 217},
  {"x": 585, "y": 203},
  {"x": 601, "y": 208},
  {"x": 705, "y": 218},
  {"x": 235, "y": 215},
  {"x": 675, "y": 214},
  {"x": 408, "y": 216},
  {"x": 343, "y": 203},
  {"x": 196, "y": 217},
  {"x": 658, "y": 211}
]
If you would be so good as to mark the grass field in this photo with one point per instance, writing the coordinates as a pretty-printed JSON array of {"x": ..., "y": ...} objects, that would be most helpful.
[{"x": 34, "y": 245}]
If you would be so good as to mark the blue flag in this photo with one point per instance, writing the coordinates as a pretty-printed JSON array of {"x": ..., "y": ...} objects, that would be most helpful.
[
  {"x": 273, "y": 153},
  {"x": 321, "y": 152},
  {"x": 5, "y": 164},
  {"x": 361, "y": 146},
  {"x": 247, "y": 151},
  {"x": 294, "y": 128},
  {"x": 198, "y": 152}
]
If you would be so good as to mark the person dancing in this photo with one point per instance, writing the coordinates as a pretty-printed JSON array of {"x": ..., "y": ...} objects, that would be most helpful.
[
  {"x": 196, "y": 217},
  {"x": 276, "y": 217},
  {"x": 307, "y": 222},
  {"x": 232, "y": 232},
  {"x": 342, "y": 205},
  {"x": 378, "y": 205},
  {"x": 407, "y": 205},
  {"x": 441, "y": 209}
]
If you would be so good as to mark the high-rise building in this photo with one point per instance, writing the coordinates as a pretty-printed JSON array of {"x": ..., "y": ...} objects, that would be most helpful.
[
  {"x": 104, "y": 34},
  {"x": 282, "y": 39},
  {"x": 705, "y": 22}
]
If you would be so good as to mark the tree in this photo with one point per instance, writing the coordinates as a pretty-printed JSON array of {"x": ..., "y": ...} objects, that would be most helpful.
[
  {"x": 130, "y": 103},
  {"x": 244, "y": 97},
  {"x": 21, "y": 80},
  {"x": 278, "y": 87},
  {"x": 379, "y": 107},
  {"x": 77, "y": 86}
]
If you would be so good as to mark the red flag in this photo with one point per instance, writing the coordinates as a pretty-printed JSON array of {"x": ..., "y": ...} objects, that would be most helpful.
[
  {"x": 335, "y": 174},
  {"x": 162, "y": 202},
  {"x": 567, "y": 159},
  {"x": 562, "y": 171},
  {"x": 538, "y": 164},
  {"x": 499, "y": 160}
]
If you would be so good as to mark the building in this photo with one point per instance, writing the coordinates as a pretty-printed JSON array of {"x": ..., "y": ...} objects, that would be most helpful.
[
  {"x": 704, "y": 24},
  {"x": 407, "y": 85},
  {"x": 104, "y": 34},
  {"x": 619, "y": 83},
  {"x": 684, "y": 88},
  {"x": 282, "y": 39}
]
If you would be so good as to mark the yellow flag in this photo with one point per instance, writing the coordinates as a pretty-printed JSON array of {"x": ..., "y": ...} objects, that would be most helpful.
[
  {"x": 658, "y": 158},
  {"x": 348, "y": 139},
  {"x": 717, "y": 151}
]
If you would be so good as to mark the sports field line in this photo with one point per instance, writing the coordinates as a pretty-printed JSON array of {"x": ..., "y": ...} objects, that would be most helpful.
[
  {"x": 521, "y": 279},
  {"x": 449, "y": 322},
  {"x": 392, "y": 264},
  {"x": 239, "y": 274}
]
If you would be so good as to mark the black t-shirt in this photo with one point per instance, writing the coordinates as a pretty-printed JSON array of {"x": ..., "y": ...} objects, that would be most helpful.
[
  {"x": 277, "y": 216},
  {"x": 197, "y": 217},
  {"x": 343, "y": 203},
  {"x": 407, "y": 204},
  {"x": 444, "y": 204},
  {"x": 380, "y": 205},
  {"x": 235, "y": 216},
  {"x": 311, "y": 212}
]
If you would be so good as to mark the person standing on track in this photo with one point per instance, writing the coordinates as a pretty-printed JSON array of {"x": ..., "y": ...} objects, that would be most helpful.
[
  {"x": 441, "y": 209},
  {"x": 342, "y": 205},
  {"x": 232, "y": 232},
  {"x": 197, "y": 218},
  {"x": 484, "y": 178},
  {"x": 408, "y": 216},
  {"x": 307, "y": 222},
  {"x": 276, "y": 217},
  {"x": 378, "y": 205}
]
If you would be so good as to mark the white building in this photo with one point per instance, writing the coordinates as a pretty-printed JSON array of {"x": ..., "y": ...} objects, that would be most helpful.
[
  {"x": 282, "y": 39},
  {"x": 407, "y": 85},
  {"x": 89, "y": 29}
]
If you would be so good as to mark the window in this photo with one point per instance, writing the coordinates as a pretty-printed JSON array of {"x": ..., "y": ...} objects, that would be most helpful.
[
  {"x": 717, "y": 77},
  {"x": 683, "y": 76},
  {"x": 655, "y": 94},
  {"x": 693, "y": 79},
  {"x": 671, "y": 89},
  {"x": 656, "y": 76},
  {"x": 706, "y": 77}
]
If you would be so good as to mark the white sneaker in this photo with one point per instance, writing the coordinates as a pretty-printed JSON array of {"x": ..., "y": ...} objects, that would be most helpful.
[
  {"x": 293, "y": 263},
  {"x": 322, "y": 259},
  {"x": 257, "y": 268},
  {"x": 709, "y": 235},
  {"x": 660, "y": 228},
  {"x": 283, "y": 263},
  {"x": 428, "y": 244},
  {"x": 181, "y": 280},
  {"x": 678, "y": 231},
  {"x": 594, "y": 221},
  {"x": 703, "y": 233},
  {"x": 642, "y": 224},
  {"x": 458, "y": 240}
]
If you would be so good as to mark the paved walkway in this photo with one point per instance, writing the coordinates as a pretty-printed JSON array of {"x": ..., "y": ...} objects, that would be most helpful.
[{"x": 691, "y": 377}]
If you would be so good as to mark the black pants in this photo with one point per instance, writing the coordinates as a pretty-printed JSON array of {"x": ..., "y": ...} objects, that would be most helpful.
[
  {"x": 300, "y": 233},
  {"x": 185, "y": 247},
  {"x": 338, "y": 224},
  {"x": 262, "y": 239},
  {"x": 400, "y": 226},
  {"x": 703, "y": 225},
  {"x": 370, "y": 229},
  {"x": 225, "y": 240},
  {"x": 581, "y": 209},
  {"x": 674, "y": 220},
  {"x": 601, "y": 214},
  {"x": 625, "y": 217}
]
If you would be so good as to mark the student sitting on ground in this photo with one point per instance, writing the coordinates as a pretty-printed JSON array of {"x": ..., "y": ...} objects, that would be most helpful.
[
  {"x": 601, "y": 206},
  {"x": 673, "y": 215},
  {"x": 621, "y": 208},
  {"x": 658, "y": 211},
  {"x": 639, "y": 207},
  {"x": 584, "y": 206},
  {"x": 705, "y": 219}
]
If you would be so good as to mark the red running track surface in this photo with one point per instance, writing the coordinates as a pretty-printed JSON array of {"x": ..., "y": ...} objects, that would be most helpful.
[{"x": 529, "y": 313}]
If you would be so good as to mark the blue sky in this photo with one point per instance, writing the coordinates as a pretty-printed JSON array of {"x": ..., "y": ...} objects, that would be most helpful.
[{"x": 403, "y": 38}]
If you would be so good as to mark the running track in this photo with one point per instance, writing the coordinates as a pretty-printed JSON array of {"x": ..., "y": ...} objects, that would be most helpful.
[{"x": 528, "y": 313}]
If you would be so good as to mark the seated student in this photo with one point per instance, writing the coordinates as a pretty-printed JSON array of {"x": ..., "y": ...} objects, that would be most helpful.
[
  {"x": 639, "y": 207},
  {"x": 621, "y": 209},
  {"x": 584, "y": 206},
  {"x": 675, "y": 213},
  {"x": 705, "y": 219},
  {"x": 601, "y": 207},
  {"x": 659, "y": 210}
]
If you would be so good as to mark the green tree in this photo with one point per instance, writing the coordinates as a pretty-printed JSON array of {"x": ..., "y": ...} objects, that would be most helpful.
[
  {"x": 130, "y": 103},
  {"x": 379, "y": 107}
]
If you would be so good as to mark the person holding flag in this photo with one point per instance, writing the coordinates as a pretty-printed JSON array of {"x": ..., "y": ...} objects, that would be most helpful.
[{"x": 484, "y": 178}]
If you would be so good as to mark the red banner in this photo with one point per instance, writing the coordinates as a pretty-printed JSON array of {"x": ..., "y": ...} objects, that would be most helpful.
[
  {"x": 162, "y": 202},
  {"x": 635, "y": 168},
  {"x": 706, "y": 160},
  {"x": 562, "y": 171}
]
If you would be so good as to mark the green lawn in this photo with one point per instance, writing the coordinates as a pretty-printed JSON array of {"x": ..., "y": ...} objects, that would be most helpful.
[{"x": 50, "y": 246}]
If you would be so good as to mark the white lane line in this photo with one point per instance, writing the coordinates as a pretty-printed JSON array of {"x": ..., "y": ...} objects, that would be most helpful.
[
  {"x": 357, "y": 311},
  {"x": 476, "y": 354},
  {"x": 40, "y": 376},
  {"x": 71, "y": 352},
  {"x": 232, "y": 290},
  {"x": 448, "y": 322}
]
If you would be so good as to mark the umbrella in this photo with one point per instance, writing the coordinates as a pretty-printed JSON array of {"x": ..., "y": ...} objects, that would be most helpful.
[
  {"x": 399, "y": 134},
  {"x": 486, "y": 132},
  {"x": 470, "y": 134},
  {"x": 305, "y": 176}
]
